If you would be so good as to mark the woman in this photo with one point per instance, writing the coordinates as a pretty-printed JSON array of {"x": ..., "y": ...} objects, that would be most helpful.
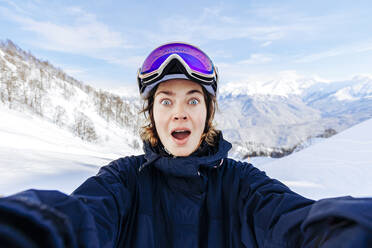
[{"x": 184, "y": 191}]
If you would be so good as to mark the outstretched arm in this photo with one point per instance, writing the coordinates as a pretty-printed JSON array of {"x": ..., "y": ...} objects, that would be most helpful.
[
  {"x": 275, "y": 216},
  {"x": 91, "y": 216}
]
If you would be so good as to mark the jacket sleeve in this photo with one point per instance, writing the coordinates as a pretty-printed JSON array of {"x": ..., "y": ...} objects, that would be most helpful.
[
  {"x": 339, "y": 222},
  {"x": 92, "y": 216},
  {"x": 275, "y": 216}
]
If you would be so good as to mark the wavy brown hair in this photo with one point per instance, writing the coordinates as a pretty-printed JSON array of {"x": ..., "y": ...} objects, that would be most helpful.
[{"x": 148, "y": 132}]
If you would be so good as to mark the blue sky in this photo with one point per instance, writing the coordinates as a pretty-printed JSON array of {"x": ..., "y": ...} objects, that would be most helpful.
[{"x": 104, "y": 42}]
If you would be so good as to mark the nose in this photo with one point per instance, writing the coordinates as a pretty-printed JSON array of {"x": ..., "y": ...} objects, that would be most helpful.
[
  {"x": 180, "y": 116},
  {"x": 180, "y": 113}
]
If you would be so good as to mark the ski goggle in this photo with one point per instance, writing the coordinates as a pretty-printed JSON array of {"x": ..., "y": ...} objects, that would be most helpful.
[{"x": 196, "y": 64}]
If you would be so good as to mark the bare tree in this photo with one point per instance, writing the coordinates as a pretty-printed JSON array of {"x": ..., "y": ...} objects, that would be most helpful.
[
  {"x": 60, "y": 116},
  {"x": 84, "y": 127}
]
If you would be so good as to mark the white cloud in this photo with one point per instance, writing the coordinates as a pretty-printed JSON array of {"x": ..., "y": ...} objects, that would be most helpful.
[
  {"x": 83, "y": 35},
  {"x": 342, "y": 50},
  {"x": 364, "y": 47},
  {"x": 13, "y": 5},
  {"x": 319, "y": 56},
  {"x": 239, "y": 72},
  {"x": 128, "y": 61},
  {"x": 221, "y": 54},
  {"x": 267, "y": 43},
  {"x": 256, "y": 59},
  {"x": 214, "y": 24}
]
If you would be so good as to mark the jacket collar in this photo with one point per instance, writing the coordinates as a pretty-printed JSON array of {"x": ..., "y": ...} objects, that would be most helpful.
[{"x": 185, "y": 166}]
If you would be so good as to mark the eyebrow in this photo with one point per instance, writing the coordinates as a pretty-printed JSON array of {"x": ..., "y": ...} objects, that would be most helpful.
[
  {"x": 166, "y": 92},
  {"x": 170, "y": 93},
  {"x": 194, "y": 91}
]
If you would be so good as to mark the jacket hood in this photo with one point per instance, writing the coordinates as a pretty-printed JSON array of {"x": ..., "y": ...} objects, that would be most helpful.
[{"x": 186, "y": 166}]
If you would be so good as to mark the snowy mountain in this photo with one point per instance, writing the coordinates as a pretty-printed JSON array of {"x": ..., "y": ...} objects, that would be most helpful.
[
  {"x": 270, "y": 118},
  {"x": 39, "y": 90},
  {"x": 277, "y": 117},
  {"x": 340, "y": 165}
]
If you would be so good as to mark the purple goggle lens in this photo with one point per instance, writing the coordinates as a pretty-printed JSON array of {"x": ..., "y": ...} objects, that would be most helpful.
[
  {"x": 197, "y": 66},
  {"x": 196, "y": 59}
]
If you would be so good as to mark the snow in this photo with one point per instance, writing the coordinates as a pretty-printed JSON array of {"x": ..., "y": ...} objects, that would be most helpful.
[
  {"x": 286, "y": 84},
  {"x": 269, "y": 116},
  {"x": 278, "y": 113},
  {"x": 338, "y": 166},
  {"x": 343, "y": 95},
  {"x": 289, "y": 83},
  {"x": 38, "y": 146},
  {"x": 35, "y": 153},
  {"x": 129, "y": 91}
]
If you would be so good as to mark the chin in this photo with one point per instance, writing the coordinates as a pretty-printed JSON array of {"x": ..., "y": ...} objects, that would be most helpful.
[{"x": 182, "y": 152}]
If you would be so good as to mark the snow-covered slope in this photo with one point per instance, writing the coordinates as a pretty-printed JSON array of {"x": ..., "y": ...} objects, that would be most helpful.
[
  {"x": 54, "y": 130},
  {"x": 36, "y": 88},
  {"x": 35, "y": 153},
  {"x": 340, "y": 165}
]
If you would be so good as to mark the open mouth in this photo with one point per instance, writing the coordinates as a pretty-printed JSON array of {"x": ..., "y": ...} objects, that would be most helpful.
[{"x": 181, "y": 134}]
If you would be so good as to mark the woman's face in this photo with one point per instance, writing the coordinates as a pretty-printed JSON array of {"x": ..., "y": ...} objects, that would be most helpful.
[{"x": 180, "y": 113}]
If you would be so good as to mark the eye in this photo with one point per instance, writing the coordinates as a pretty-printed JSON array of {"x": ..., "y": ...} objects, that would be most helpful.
[
  {"x": 165, "y": 102},
  {"x": 194, "y": 101}
]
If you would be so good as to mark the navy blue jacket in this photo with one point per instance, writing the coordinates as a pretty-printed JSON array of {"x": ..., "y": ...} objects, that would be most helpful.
[{"x": 158, "y": 201}]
